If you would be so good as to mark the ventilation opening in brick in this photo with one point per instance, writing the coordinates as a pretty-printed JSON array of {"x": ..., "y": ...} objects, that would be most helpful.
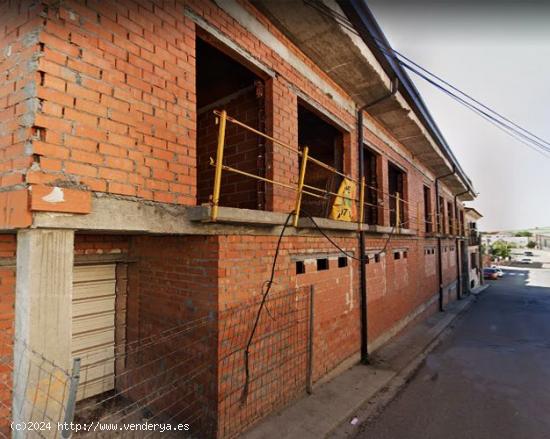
[
  {"x": 225, "y": 84},
  {"x": 322, "y": 264},
  {"x": 300, "y": 267},
  {"x": 342, "y": 261},
  {"x": 325, "y": 143}
]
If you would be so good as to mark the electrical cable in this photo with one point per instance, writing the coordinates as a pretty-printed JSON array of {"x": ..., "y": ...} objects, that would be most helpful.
[
  {"x": 499, "y": 124},
  {"x": 244, "y": 394},
  {"x": 267, "y": 284},
  {"x": 503, "y": 127},
  {"x": 529, "y": 133},
  {"x": 349, "y": 255},
  {"x": 518, "y": 133}
]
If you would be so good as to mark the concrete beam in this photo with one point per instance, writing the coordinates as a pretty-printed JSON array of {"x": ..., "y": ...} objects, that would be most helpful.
[
  {"x": 116, "y": 215},
  {"x": 42, "y": 351}
]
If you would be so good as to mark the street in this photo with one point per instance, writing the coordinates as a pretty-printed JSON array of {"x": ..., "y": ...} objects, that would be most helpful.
[{"x": 490, "y": 378}]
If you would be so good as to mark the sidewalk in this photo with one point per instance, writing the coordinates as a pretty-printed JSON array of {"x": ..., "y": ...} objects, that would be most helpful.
[{"x": 362, "y": 390}]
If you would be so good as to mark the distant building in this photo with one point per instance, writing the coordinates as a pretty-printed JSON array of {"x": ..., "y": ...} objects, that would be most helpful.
[
  {"x": 543, "y": 241},
  {"x": 474, "y": 264}
]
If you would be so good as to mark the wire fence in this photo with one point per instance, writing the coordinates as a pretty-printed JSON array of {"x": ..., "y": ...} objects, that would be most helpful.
[
  {"x": 166, "y": 379},
  {"x": 160, "y": 384},
  {"x": 280, "y": 357},
  {"x": 189, "y": 380},
  {"x": 34, "y": 392}
]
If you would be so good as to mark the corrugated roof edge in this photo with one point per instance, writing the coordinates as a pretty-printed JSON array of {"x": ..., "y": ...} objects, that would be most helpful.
[{"x": 364, "y": 21}]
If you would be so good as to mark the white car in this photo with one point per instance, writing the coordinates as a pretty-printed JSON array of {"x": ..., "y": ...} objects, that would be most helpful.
[{"x": 500, "y": 273}]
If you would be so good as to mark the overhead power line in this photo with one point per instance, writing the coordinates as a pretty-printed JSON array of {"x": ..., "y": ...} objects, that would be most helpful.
[
  {"x": 486, "y": 113},
  {"x": 503, "y": 123}
]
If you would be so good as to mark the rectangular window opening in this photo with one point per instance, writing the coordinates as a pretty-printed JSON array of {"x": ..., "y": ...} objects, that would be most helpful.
[
  {"x": 300, "y": 267},
  {"x": 342, "y": 261},
  {"x": 377, "y": 257},
  {"x": 450, "y": 218},
  {"x": 441, "y": 215},
  {"x": 224, "y": 82},
  {"x": 428, "y": 224},
  {"x": 397, "y": 184},
  {"x": 371, "y": 165},
  {"x": 405, "y": 255},
  {"x": 322, "y": 264},
  {"x": 396, "y": 255},
  {"x": 325, "y": 143}
]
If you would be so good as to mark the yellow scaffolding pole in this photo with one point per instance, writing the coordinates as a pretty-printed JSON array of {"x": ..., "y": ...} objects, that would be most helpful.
[
  {"x": 301, "y": 179},
  {"x": 219, "y": 165},
  {"x": 267, "y": 180}
]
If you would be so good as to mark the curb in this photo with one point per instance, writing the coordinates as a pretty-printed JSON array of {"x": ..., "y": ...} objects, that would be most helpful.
[
  {"x": 477, "y": 291},
  {"x": 360, "y": 392},
  {"x": 373, "y": 406}
]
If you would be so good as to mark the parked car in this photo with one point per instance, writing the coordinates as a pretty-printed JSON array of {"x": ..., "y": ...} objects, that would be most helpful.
[
  {"x": 525, "y": 261},
  {"x": 500, "y": 273},
  {"x": 490, "y": 273},
  {"x": 528, "y": 254}
]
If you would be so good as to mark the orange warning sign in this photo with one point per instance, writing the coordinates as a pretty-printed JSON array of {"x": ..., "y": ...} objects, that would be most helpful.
[{"x": 343, "y": 208}]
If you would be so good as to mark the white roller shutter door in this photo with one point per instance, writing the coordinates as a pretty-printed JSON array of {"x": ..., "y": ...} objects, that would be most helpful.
[{"x": 93, "y": 336}]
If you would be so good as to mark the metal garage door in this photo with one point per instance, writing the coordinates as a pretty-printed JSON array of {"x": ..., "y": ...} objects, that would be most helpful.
[{"x": 93, "y": 336}]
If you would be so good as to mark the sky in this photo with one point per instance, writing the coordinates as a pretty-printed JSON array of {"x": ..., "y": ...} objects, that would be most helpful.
[{"x": 499, "y": 53}]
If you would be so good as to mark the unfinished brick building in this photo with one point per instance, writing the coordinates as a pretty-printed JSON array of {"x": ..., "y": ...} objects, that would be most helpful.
[{"x": 113, "y": 117}]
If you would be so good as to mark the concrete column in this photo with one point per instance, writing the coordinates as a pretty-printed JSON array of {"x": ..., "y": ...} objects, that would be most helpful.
[{"x": 42, "y": 352}]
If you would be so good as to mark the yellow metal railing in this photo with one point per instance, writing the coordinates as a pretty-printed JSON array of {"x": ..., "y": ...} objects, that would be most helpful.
[{"x": 302, "y": 188}]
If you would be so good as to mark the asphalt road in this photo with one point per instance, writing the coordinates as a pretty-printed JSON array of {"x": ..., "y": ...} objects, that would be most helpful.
[{"x": 490, "y": 378}]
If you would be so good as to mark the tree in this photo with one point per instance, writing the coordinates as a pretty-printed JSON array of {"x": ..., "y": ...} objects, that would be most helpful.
[
  {"x": 523, "y": 233},
  {"x": 531, "y": 244},
  {"x": 500, "y": 249}
]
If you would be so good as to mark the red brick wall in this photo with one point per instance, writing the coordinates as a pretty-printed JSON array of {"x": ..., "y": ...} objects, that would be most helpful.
[
  {"x": 336, "y": 310},
  {"x": 116, "y": 88},
  {"x": 172, "y": 283},
  {"x": 396, "y": 287},
  {"x": 244, "y": 266},
  {"x": 19, "y": 24},
  {"x": 117, "y": 100},
  {"x": 100, "y": 244},
  {"x": 282, "y": 123},
  {"x": 7, "y": 303}
]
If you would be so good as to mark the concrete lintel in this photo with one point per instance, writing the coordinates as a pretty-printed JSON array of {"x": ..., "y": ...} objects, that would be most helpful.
[{"x": 235, "y": 10}]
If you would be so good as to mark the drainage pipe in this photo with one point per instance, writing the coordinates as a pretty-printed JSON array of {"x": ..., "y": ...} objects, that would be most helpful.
[
  {"x": 458, "y": 254},
  {"x": 363, "y": 268}
]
